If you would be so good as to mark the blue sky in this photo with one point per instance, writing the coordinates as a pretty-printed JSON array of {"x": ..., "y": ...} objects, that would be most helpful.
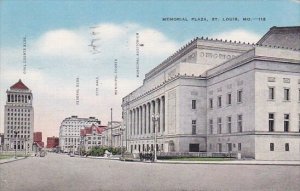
[
  {"x": 35, "y": 17},
  {"x": 58, "y": 36}
]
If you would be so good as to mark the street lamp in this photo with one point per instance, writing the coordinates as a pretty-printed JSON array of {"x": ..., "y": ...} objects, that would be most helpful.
[
  {"x": 16, "y": 133},
  {"x": 155, "y": 118},
  {"x": 122, "y": 129},
  {"x": 25, "y": 146},
  {"x": 125, "y": 116}
]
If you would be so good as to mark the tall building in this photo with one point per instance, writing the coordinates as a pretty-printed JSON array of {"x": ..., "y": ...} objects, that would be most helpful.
[
  {"x": 18, "y": 118},
  {"x": 52, "y": 142},
  {"x": 1, "y": 141},
  {"x": 69, "y": 131},
  {"x": 221, "y": 96}
]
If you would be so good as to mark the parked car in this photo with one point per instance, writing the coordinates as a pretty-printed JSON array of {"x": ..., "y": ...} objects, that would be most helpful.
[
  {"x": 42, "y": 153},
  {"x": 72, "y": 155},
  {"x": 127, "y": 156}
]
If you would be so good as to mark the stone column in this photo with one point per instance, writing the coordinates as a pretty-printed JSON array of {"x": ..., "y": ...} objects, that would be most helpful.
[
  {"x": 130, "y": 123},
  {"x": 134, "y": 121},
  {"x": 156, "y": 112},
  {"x": 137, "y": 120},
  {"x": 161, "y": 115},
  {"x": 145, "y": 119},
  {"x": 141, "y": 121},
  {"x": 149, "y": 118},
  {"x": 163, "y": 103}
]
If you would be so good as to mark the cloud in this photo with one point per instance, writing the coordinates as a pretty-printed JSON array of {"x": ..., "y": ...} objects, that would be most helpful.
[
  {"x": 58, "y": 56},
  {"x": 62, "y": 43},
  {"x": 238, "y": 35},
  {"x": 296, "y": 1},
  {"x": 155, "y": 43}
]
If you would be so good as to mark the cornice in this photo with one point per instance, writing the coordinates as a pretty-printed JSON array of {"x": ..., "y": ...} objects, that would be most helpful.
[
  {"x": 187, "y": 48},
  {"x": 162, "y": 85}
]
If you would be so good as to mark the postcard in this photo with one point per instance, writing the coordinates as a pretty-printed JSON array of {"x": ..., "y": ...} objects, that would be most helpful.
[{"x": 149, "y": 95}]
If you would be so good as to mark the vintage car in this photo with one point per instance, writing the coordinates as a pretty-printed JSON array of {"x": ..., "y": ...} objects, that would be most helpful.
[{"x": 127, "y": 156}]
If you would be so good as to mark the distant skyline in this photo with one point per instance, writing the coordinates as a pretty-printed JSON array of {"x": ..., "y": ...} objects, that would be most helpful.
[{"x": 58, "y": 35}]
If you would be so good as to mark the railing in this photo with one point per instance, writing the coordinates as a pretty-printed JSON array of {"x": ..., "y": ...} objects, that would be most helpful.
[
  {"x": 197, "y": 154},
  {"x": 182, "y": 154}
]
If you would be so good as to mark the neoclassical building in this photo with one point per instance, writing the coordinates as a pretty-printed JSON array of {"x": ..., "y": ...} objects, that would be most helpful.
[
  {"x": 18, "y": 118},
  {"x": 222, "y": 96},
  {"x": 69, "y": 132}
]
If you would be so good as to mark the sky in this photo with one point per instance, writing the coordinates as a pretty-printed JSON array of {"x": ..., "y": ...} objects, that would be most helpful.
[{"x": 58, "y": 33}]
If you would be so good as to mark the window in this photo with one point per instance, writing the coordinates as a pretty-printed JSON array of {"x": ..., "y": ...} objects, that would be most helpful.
[
  {"x": 211, "y": 126},
  {"x": 240, "y": 123},
  {"x": 286, "y": 122},
  {"x": 287, "y": 147},
  {"x": 220, "y": 147},
  {"x": 286, "y": 96},
  {"x": 239, "y": 146},
  {"x": 193, "y": 104},
  {"x": 211, "y": 103},
  {"x": 229, "y": 99},
  {"x": 219, "y": 101},
  {"x": 239, "y": 96},
  {"x": 229, "y": 147},
  {"x": 271, "y": 122},
  {"x": 229, "y": 124},
  {"x": 193, "y": 127},
  {"x": 299, "y": 122},
  {"x": 271, "y": 93},
  {"x": 271, "y": 146},
  {"x": 219, "y": 125}
]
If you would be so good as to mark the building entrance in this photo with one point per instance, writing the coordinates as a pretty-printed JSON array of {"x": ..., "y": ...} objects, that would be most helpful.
[{"x": 194, "y": 148}]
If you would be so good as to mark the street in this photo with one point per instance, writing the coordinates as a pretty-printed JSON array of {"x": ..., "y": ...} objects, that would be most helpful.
[{"x": 57, "y": 172}]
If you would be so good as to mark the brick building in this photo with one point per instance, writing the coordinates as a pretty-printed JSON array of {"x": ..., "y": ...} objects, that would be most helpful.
[
  {"x": 52, "y": 142},
  {"x": 37, "y": 138}
]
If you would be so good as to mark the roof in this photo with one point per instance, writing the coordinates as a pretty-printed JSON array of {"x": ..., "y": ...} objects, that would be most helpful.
[
  {"x": 19, "y": 85},
  {"x": 286, "y": 37},
  {"x": 89, "y": 130}
]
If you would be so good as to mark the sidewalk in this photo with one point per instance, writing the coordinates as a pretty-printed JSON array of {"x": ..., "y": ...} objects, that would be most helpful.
[
  {"x": 234, "y": 162},
  {"x": 12, "y": 159},
  {"x": 231, "y": 162}
]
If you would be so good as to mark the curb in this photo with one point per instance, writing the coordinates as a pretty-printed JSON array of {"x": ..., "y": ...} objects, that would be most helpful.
[
  {"x": 13, "y": 160},
  {"x": 202, "y": 163},
  {"x": 212, "y": 163}
]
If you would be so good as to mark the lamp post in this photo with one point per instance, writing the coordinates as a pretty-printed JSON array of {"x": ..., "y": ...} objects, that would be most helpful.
[
  {"x": 125, "y": 116},
  {"x": 155, "y": 118},
  {"x": 25, "y": 146},
  {"x": 122, "y": 128},
  {"x": 111, "y": 127},
  {"x": 16, "y": 133}
]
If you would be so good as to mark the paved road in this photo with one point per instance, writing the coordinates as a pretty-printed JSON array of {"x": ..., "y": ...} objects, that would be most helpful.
[{"x": 60, "y": 172}]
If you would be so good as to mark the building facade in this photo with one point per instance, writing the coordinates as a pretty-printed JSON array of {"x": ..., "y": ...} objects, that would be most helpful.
[
  {"x": 52, "y": 142},
  {"x": 18, "y": 118},
  {"x": 220, "y": 96},
  {"x": 37, "y": 139},
  {"x": 114, "y": 134},
  {"x": 91, "y": 136},
  {"x": 69, "y": 131},
  {"x": 1, "y": 141}
]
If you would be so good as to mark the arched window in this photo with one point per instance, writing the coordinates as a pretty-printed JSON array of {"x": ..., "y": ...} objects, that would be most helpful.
[
  {"x": 287, "y": 147},
  {"x": 171, "y": 146}
]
